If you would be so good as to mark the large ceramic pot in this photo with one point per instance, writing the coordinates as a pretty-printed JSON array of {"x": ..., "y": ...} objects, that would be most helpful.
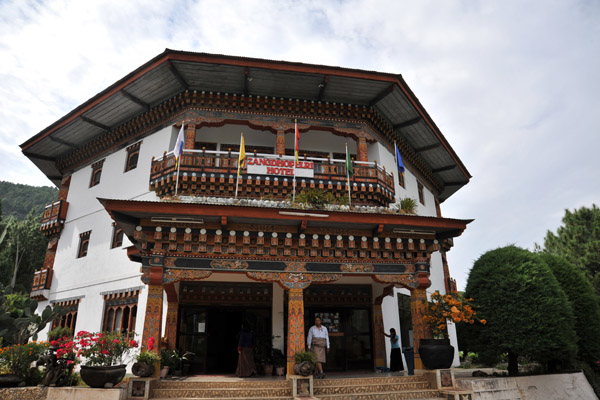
[
  {"x": 142, "y": 369},
  {"x": 102, "y": 377},
  {"x": 10, "y": 380},
  {"x": 436, "y": 353},
  {"x": 305, "y": 368}
]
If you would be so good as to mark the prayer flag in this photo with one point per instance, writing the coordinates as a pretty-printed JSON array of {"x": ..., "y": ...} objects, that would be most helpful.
[
  {"x": 297, "y": 140},
  {"x": 242, "y": 158},
  {"x": 349, "y": 169},
  {"x": 178, "y": 150},
  {"x": 399, "y": 163}
]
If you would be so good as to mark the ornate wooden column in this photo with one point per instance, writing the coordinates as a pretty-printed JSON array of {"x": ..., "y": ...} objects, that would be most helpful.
[
  {"x": 378, "y": 338},
  {"x": 172, "y": 314},
  {"x": 361, "y": 149},
  {"x": 190, "y": 136},
  {"x": 295, "y": 339},
  {"x": 153, "y": 316},
  {"x": 280, "y": 143},
  {"x": 418, "y": 309}
]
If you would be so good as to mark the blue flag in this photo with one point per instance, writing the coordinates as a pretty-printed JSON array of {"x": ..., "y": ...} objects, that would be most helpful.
[{"x": 399, "y": 163}]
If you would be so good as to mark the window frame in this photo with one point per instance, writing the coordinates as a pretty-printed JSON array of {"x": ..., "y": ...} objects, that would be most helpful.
[
  {"x": 84, "y": 244},
  {"x": 124, "y": 305},
  {"x": 421, "y": 193},
  {"x": 115, "y": 236},
  {"x": 96, "y": 173},
  {"x": 133, "y": 150}
]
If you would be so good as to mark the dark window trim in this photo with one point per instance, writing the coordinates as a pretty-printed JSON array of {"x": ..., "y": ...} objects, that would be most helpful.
[
  {"x": 84, "y": 242},
  {"x": 133, "y": 150},
  {"x": 96, "y": 173},
  {"x": 117, "y": 237}
]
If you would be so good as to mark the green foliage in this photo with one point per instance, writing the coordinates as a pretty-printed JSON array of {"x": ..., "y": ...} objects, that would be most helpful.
[
  {"x": 584, "y": 304},
  {"x": 24, "y": 245},
  {"x": 578, "y": 240},
  {"x": 19, "y": 200},
  {"x": 527, "y": 312},
  {"x": 60, "y": 332},
  {"x": 18, "y": 319},
  {"x": 148, "y": 357},
  {"x": 171, "y": 359},
  {"x": 17, "y": 359},
  {"x": 315, "y": 197},
  {"x": 407, "y": 205},
  {"x": 301, "y": 356}
]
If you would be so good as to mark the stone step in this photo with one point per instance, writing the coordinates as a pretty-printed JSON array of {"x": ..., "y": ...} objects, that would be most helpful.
[
  {"x": 368, "y": 381},
  {"x": 429, "y": 394},
  {"x": 221, "y": 393},
  {"x": 230, "y": 398},
  {"x": 247, "y": 383},
  {"x": 350, "y": 388}
]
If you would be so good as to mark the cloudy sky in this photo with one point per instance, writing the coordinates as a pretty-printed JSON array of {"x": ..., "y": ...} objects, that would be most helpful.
[{"x": 513, "y": 85}]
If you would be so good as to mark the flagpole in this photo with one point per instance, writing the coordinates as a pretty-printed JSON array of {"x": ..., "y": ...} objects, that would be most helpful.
[
  {"x": 348, "y": 177},
  {"x": 179, "y": 161},
  {"x": 237, "y": 180},
  {"x": 295, "y": 159}
]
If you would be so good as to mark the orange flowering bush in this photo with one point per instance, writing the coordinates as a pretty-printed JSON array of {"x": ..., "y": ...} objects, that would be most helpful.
[
  {"x": 19, "y": 358},
  {"x": 453, "y": 307}
]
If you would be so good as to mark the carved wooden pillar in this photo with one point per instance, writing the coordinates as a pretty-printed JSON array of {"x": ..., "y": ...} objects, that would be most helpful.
[
  {"x": 418, "y": 309},
  {"x": 172, "y": 314},
  {"x": 64, "y": 188},
  {"x": 153, "y": 316},
  {"x": 378, "y": 337},
  {"x": 361, "y": 150},
  {"x": 295, "y": 340},
  {"x": 190, "y": 136},
  {"x": 280, "y": 143}
]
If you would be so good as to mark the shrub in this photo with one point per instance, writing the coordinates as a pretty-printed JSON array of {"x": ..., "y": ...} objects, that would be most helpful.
[
  {"x": 148, "y": 357},
  {"x": 60, "y": 332},
  {"x": 18, "y": 360},
  {"x": 302, "y": 356},
  {"x": 315, "y": 197},
  {"x": 407, "y": 205}
]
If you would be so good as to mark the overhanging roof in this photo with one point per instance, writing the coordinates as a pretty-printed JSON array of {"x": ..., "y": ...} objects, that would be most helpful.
[{"x": 173, "y": 72}]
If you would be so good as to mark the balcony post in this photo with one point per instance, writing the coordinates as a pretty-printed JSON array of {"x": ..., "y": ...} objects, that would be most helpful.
[
  {"x": 190, "y": 136},
  {"x": 361, "y": 149},
  {"x": 280, "y": 144}
]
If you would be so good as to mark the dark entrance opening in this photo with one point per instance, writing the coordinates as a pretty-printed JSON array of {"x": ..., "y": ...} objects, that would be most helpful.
[{"x": 210, "y": 319}]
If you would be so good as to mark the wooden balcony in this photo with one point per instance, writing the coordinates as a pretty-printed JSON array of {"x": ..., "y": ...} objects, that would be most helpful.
[
  {"x": 54, "y": 217},
  {"x": 40, "y": 287},
  {"x": 213, "y": 174}
]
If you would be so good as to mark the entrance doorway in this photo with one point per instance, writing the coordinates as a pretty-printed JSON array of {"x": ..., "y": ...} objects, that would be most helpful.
[{"x": 211, "y": 334}]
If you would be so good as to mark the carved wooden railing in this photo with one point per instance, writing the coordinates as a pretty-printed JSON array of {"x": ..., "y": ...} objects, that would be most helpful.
[
  {"x": 213, "y": 173},
  {"x": 54, "y": 217}
]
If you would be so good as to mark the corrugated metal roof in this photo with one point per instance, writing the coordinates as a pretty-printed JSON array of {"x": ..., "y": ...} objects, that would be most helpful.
[{"x": 172, "y": 72}]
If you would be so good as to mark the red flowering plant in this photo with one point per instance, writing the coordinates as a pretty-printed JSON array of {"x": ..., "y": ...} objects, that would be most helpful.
[
  {"x": 103, "y": 348},
  {"x": 453, "y": 307}
]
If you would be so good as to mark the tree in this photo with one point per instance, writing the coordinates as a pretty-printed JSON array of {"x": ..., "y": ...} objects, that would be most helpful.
[
  {"x": 583, "y": 302},
  {"x": 578, "y": 240},
  {"x": 22, "y": 251},
  {"x": 527, "y": 312}
]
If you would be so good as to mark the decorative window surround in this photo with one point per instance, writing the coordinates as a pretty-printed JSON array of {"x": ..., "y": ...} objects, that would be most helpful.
[
  {"x": 96, "y": 173},
  {"x": 84, "y": 241},
  {"x": 133, "y": 154}
]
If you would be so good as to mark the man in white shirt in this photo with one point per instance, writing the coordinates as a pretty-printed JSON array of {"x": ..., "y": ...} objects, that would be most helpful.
[{"x": 318, "y": 343}]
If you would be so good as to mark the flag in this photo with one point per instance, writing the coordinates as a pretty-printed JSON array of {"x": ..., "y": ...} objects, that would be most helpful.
[
  {"x": 242, "y": 158},
  {"x": 178, "y": 150},
  {"x": 297, "y": 140},
  {"x": 349, "y": 169},
  {"x": 399, "y": 163}
]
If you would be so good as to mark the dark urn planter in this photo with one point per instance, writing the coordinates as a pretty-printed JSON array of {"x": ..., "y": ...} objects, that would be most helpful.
[
  {"x": 436, "y": 353},
  {"x": 305, "y": 368},
  {"x": 142, "y": 369},
  {"x": 10, "y": 380},
  {"x": 102, "y": 377}
]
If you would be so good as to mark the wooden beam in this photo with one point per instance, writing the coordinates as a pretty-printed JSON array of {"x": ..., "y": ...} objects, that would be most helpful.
[
  {"x": 63, "y": 142},
  {"x": 134, "y": 99},
  {"x": 378, "y": 230},
  {"x": 54, "y": 178},
  {"x": 177, "y": 75},
  {"x": 223, "y": 222},
  {"x": 303, "y": 226},
  {"x": 407, "y": 123},
  {"x": 39, "y": 156},
  {"x": 382, "y": 95},
  {"x": 427, "y": 148},
  {"x": 455, "y": 183},
  {"x": 442, "y": 169},
  {"x": 95, "y": 123},
  {"x": 322, "y": 87}
]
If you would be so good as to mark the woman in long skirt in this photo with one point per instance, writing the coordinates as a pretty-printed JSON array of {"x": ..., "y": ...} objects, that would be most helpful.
[
  {"x": 246, "y": 366},
  {"x": 318, "y": 343},
  {"x": 395, "y": 355}
]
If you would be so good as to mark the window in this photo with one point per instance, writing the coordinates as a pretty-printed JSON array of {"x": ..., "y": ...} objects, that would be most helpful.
[
  {"x": 120, "y": 310},
  {"x": 69, "y": 319},
  {"x": 133, "y": 154},
  {"x": 401, "y": 179},
  {"x": 421, "y": 195},
  {"x": 117, "y": 237},
  {"x": 96, "y": 173},
  {"x": 84, "y": 241}
]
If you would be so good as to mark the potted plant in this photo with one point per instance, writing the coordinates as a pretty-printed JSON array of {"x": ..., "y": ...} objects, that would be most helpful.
[
  {"x": 104, "y": 354},
  {"x": 407, "y": 205},
  {"x": 170, "y": 361},
  {"x": 279, "y": 361},
  {"x": 438, "y": 353},
  {"x": 15, "y": 364},
  {"x": 59, "y": 360},
  {"x": 305, "y": 363}
]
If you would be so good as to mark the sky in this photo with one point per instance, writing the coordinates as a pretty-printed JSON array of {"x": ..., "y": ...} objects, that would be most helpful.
[{"x": 513, "y": 85}]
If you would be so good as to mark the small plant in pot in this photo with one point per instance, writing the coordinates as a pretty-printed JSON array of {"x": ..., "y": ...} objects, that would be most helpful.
[
  {"x": 144, "y": 365},
  {"x": 170, "y": 362},
  {"x": 279, "y": 361},
  {"x": 407, "y": 205},
  {"x": 305, "y": 363}
]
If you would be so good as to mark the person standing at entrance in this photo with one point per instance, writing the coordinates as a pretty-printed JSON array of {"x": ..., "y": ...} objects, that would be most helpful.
[
  {"x": 246, "y": 366},
  {"x": 318, "y": 343},
  {"x": 395, "y": 355}
]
